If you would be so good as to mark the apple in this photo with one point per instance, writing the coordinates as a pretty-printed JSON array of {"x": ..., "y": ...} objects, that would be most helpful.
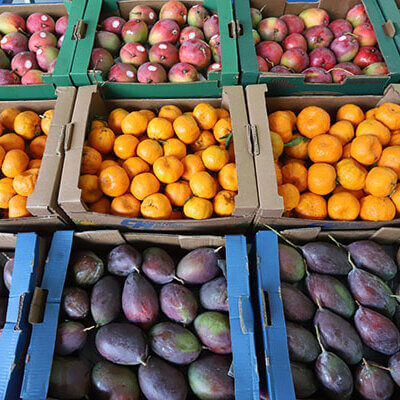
[
  {"x": 294, "y": 23},
  {"x": 256, "y": 37},
  {"x": 295, "y": 59},
  {"x": 367, "y": 55},
  {"x": 270, "y": 52},
  {"x": 293, "y": 41},
  {"x": 322, "y": 58},
  {"x": 314, "y": 16},
  {"x": 378, "y": 68},
  {"x": 262, "y": 64},
  {"x": 365, "y": 34},
  {"x": 272, "y": 29},
  {"x": 345, "y": 48},
  {"x": 357, "y": 15},
  {"x": 318, "y": 36},
  {"x": 281, "y": 69},
  {"x": 256, "y": 17},
  {"x": 339, "y": 27},
  {"x": 317, "y": 75},
  {"x": 341, "y": 71}
]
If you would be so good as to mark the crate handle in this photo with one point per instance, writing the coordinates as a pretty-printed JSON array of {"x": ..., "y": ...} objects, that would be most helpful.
[
  {"x": 253, "y": 146},
  {"x": 389, "y": 28},
  {"x": 69, "y": 129},
  {"x": 266, "y": 312},
  {"x": 79, "y": 31},
  {"x": 235, "y": 29},
  {"x": 38, "y": 306}
]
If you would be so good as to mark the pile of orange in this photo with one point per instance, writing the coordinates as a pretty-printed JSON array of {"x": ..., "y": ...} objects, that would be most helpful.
[
  {"x": 172, "y": 165},
  {"x": 343, "y": 170},
  {"x": 23, "y": 137}
]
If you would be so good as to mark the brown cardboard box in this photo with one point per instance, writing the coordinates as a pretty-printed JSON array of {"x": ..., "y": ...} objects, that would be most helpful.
[
  {"x": 42, "y": 203},
  {"x": 271, "y": 204},
  {"x": 89, "y": 103}
]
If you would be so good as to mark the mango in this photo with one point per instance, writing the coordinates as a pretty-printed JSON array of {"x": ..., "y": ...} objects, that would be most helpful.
[
  {"x": 86, "y": 267},
  {"x": 158, "y": 265},
  {"x": 123, "y": 260},
  {"x": 394, "y": 366},
  {"x": 75, "y": 303},
  {"x": 214, "y": 295},
  {"x": 304, "y": 381},
  {"x": 296, "y": 305},
  {"x": 302, "y": 344},
  {"x": 291, "y": 264},
  {"x": 71, "y": 336}
]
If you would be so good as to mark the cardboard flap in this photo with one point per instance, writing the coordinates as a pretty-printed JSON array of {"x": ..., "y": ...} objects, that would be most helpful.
[
  {"x": 392, "y": 95},
  {"x": 302, "y": 234},
  {"x": 100, "y": 238}
]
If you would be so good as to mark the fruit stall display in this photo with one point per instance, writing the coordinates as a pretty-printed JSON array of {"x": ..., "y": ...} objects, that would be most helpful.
[
  {"x": 159, "y": 164},
  {"x": 133, "y": 48},
  {"x": 340, "y": 303},
  {"x": 297, "y": 47},
  {"x": 158, "y": 318},
  {"x": 31, "y": 43}
]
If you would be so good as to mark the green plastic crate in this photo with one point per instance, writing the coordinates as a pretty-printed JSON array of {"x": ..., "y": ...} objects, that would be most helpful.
[
  {"x": 97, "y": 10},
  {"x": 60, "y": 76},
  {"x": 384, "y": 16}
]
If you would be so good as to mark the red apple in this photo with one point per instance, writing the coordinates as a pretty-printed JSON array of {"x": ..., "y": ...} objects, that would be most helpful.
[
  {"x": 183, "y": 72},
  {"x": 61, "y": 25},
  {"x": 345, "y": 48},
  {"x": 37, "y": 22},
  {"x": 174, "y": 10},
  {"x": 197, "y": 15},
  {"x": 122, "y": 72},
  {"x": 151, "y": 73},
  {"x": 256, "y": 37},
  {"x": 357, "y": 15},
  {"x": 165, "y": 30},
  {"x": 23, "y": 62},
  {"x": 318, "y": 36},
  {"x": 112, "y": 24},
  {"x": 133, "y": 53},
  {"x": 216, "y": 67},
  {"x": 195, "y": 52},
  {"x": 294, "y": 23},
  {"x": 341, "y": 71},
  {"x": 32, "y": 77},
  {"x": 378, "y": 68},
  {"x": 211, "y": 26},
  {"x": 164, "y": 53},
  {"x": 190, "y": 32},
  {"x": 295, "y": 59},
  {"x": 256, "y": 17},
  {"x": 367, "y": 55},
  {"x": 8, "y": 77},
  {"x": 340, "y": 27},
  {"x": 270, "y": 52},
  {"x": 314, "y": 16},
  {"x": 322, "y": 58},
  {"x": 262, "y": 64},
  {"x": 143, "y": 13},
  {"x": 365, "y": 34},
  {"x": 11, "y": 22},
  {"x": 317, "y": 75},
  {"x": 294, "y": 41},
  {"x": 281, "y": 69},
  {"x": 272, "y": 29}
]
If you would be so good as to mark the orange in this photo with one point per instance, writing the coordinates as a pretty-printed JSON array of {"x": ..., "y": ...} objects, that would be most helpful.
[
  {"x": 380, "y": 182},
  {"x": 144, "y": 185},
  {"x": 277, "y": 144},
  {"x": 115, "y": 119},
  {"x": 15, "y": 162},
  {"x": 313, "y": 121},
  {"x": 98, "y": 123},
  {"x": 174, "y": 147},
  {"x": 222, "y": 113},
  {"x": 347, "y": 151},
  {"x": 206, "y": 139},
  {"x": 168, "y": 169},
  {"x": 214, "y": 158},
  {"x": 160, "y": 129},
  {"x": 17, "y": 207},
  {"x": 297, "y": 147},
  {"x": 343, "y": 206},
  {"x": 311, "y": 206},
  {"x": 374, "y": 128},
  {"x": 149, "y": 150},
  {"x": 2, "y": 155},
  {"x": 357, "y": 193},
  {"x": 205, "y": 115},
  {"x": 34, "y": 164},
  {"x": 170, "y": 112},
  {"x": 370, "y": 113},
  {"x": 7, "y": 118},
  {"x": 321, "y": 178},
  {"x": 222, "y": 129},
  {"x": 389, "y": 115},
  {"x": 192, "y": 163},
  {"x": 351, "y": 175},
  {"x": 134, "y": 166},
  {"x": 186, "y": 128},
  {"x": 106, "y": 163},
  {"x": 227, "y": 177},
  {"x": 278, "y": 172},
  {"x": 325, "y": 148},
  {"x": 178, "y": 192},
  {"x": 100, "y": 206},
  {"x": 224, "y": 203},
  {"x": 24, "y": 184},
  {"x": 37, "y": 146},
  {"x": 282, "y": 123},
  {"x": 113, "y": 181},
  {"x": 125, "y": 146},
  {"x": 296, "y": 174},
  {"x": 148, "y": 114},
  {"x": 351, "y": 113},
  {"x": 395, "y": 197},
  {"x": 290, "y": 194},
  {"x": 102, "y": 139},
  {"x": 394, "y": 140},
  {"x": 7, "y": 191},
  {"x": 366, "y": 149},
  {"x": 27, "y": 124},
  {"x": 90, "y": 190},
  {"x": 135, "y": 123},
  {"x": 343, "y": 130},
  {"x": 203, "y": 185},
  {"x": 377, "y": 209},
  {"x": 156, "y": 206},
  {"x": 91, "y": 160},
  {"x": 11, "y": 141},
  {"x": 125, "y": 206},
  {"x": 46, "y": 121},
  {"x": 198, "y": 208},
  {"x": 390, "y": 158}
]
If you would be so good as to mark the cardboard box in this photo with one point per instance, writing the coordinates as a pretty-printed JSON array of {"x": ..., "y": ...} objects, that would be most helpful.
[
  {"x": 97, "y": 11},
  {"x": 383, "y": 15},
  {"x": 60, "y": 76},
  {"x": 271, "y": 204},
  {"x": 41, "y": 348},
  {"x": 277, "y": 364},
  {"x": 90, "y": 103},
  {"x": 30, "y": 252},
  {"x": 42, "y": 203}
]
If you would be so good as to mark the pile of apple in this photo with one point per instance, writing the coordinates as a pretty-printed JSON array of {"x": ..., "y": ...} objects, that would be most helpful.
[
  {"x": 175, "y": 46},
  {"x": 29, "y": 47},
  {"x": 310, "y": 44}
]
